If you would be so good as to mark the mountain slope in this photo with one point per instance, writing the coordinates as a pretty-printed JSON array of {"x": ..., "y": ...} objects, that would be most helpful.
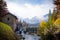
[{"x": 33, "y": 20}]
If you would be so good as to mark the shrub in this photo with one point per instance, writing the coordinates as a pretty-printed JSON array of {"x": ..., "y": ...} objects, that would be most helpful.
[{"x": 6, "y": 32}]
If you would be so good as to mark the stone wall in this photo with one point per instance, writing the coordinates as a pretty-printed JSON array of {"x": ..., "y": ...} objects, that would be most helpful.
[{"x": 10, "y": 20}]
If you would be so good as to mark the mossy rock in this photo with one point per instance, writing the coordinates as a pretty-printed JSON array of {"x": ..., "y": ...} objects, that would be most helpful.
[{"x": 6, "y": 32}]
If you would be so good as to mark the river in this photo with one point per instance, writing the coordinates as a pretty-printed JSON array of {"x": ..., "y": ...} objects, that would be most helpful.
[{"x": 30, "y": 37}]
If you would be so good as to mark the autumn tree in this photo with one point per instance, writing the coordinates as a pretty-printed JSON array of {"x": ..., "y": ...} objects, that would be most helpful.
[
  {"x": 47, "y": 28},
  {"x": 3, "y": 7},
  {"x": 57, "y": 22},
  {"x": 52, "y": 17},
  {"x": 42, "y": 29},
  {"x": 57, "y": 25}
]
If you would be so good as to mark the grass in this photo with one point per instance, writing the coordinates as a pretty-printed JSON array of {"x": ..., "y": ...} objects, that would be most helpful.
[{"x": 6, "y": 32}]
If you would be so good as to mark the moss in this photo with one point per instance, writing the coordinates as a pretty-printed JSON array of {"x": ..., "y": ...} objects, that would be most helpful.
[{"x": 6, "y": 32}]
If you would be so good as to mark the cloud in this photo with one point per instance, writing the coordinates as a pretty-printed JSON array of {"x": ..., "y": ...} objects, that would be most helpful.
[
  {"x": 34, "y": 2},
  {"x": 28, "y": 10}
]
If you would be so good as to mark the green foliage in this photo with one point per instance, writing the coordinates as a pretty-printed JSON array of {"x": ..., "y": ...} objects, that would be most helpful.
[{"x": 6, "y": 32}]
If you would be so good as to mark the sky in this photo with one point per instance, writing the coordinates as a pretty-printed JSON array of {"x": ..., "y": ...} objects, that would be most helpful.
[{"x": 30, "y": 8}]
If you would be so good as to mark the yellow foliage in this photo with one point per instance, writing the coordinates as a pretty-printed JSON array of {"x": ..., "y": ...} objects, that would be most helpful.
[
  {"x": 57, "y": 22},
  {"x": 42, "y": 23},
  {"x": 41, "y": 28}
]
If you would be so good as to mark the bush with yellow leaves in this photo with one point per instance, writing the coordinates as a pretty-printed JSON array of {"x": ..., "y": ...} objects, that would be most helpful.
[
  {"x": 42, "y": 23},
  {"x": 51, "y": 27},
  {"x": 57, "y": 22},
  {"x": 42, "y": 29},
  {"x": 46, "y": 28},
  {"x": 57, "y": 25}
]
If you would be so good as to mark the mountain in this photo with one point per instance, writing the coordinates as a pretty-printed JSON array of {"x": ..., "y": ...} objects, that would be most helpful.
[
  {"x": 33, "y": 20},
  {"x": 33, "y": 25}
]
